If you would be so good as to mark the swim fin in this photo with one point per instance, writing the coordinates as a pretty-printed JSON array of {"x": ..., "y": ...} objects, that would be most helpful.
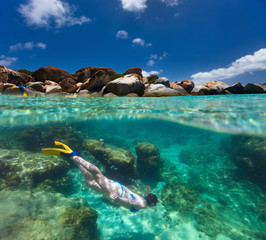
[{"x": 57, "y": 151}]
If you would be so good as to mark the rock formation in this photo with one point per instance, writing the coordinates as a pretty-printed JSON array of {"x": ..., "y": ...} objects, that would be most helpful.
[
  {"x": 163, "y": 81},
  {"x": 50, "y": 73},
  {"x": 130, "y": 83},
  {"x": 84, "y": 74},
  {"x": 148, "y": 161},
  {"x": 119, "y": 163},
  {"x": 96, "y": 82},
  {"x": 101, "y": 81},
  {"x": 237, "y": 88},
  {"x": 134, "y": 70},
  {"x": 14, "y": 77},
  {"x": 44, "y": 215},
  {"x": 160, "y": 90},
  {"x": 255, "y": 88},
  {"x": 210, "y": 88},
  {"x": 250, "y": 157}
]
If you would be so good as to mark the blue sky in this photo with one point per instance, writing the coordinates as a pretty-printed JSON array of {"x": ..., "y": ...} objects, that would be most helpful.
[{"x": 202, "y": 40}]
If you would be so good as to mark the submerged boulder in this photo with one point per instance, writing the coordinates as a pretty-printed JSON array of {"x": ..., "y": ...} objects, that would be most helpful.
[
  {"x": 30, "y": 169},
  {"x": 118, "y": 162},
  {"x": 148, "y": 161},
  {"x": 250, "y": 157},
  {"x": 34, "y": 138},
  {"x": 44, "y": 215},
  {"x": 50, "y": 73},
  {"x": 130, "y": 83}
]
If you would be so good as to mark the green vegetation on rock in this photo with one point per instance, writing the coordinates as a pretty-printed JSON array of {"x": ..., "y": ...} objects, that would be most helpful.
[
  {"x": 116, "y": 76},
  {"x": 25, "y": 71}
]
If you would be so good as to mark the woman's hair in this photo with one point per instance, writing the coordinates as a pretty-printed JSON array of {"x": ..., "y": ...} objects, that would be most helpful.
[{"x": 151, "y": 199}]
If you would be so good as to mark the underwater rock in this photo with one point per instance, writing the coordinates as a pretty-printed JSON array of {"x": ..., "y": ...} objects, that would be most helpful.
[
  {"x": 148, "y": 161},
  {"x": 119, "y": 163},
  {"x": 43, "y": 215},
  {"x": 35, "y": 138},
  {"x": 8, "y": 175},
  {"x": 250, "y": 157},
  {"x": 30, "y": 169},
  {"x": 62, "y": 185}
]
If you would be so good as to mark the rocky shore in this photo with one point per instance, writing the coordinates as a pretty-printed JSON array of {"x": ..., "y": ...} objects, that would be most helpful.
[{"x": 105, "y": 82}]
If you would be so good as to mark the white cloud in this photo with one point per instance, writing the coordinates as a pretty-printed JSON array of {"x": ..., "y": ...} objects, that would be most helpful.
[
  {"x": 122, "y": 34},
  {"x": 163, "y": 56},
  {"x": 246, "y": 64},
  {"x": 155, "y": 57},
  {"x": 7, "y": 61},
  {"x": 141, "y": 42},
  {"x": 171, "y": 3},
  {"x": 147, "y": 74},
  {"x": 26, "y": 46},
  {"x": 150, "y": 63},
  {"x": 134, "y": 5},
  {"x": 41, "y": 13}
]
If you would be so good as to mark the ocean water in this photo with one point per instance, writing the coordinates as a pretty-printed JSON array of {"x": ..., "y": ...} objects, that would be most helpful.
[{"x": 210, "y": 181}]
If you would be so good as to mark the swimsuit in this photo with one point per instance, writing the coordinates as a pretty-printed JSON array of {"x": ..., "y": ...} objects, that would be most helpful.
[{"x": 132, "y": 209}]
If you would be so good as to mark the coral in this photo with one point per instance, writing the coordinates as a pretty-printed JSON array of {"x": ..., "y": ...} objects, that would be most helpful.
[
  {"x": 42, "y": 215},
  {"x": 119, "y": 163},
  {"x": 148, "y": 161}
]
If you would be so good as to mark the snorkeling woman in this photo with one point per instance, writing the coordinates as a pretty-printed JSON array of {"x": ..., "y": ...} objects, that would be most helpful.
[{"x": 98, "y": 182}]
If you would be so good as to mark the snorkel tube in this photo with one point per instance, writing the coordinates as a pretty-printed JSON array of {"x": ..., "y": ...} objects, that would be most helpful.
[{"x": 148, "y": 187}]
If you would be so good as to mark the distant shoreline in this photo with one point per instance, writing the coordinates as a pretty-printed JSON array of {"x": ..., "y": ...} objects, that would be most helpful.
[{"x": 105, "y": 82}]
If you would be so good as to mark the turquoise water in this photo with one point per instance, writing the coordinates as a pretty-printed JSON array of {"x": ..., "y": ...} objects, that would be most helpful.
[{"x": 211, "y": 181}]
